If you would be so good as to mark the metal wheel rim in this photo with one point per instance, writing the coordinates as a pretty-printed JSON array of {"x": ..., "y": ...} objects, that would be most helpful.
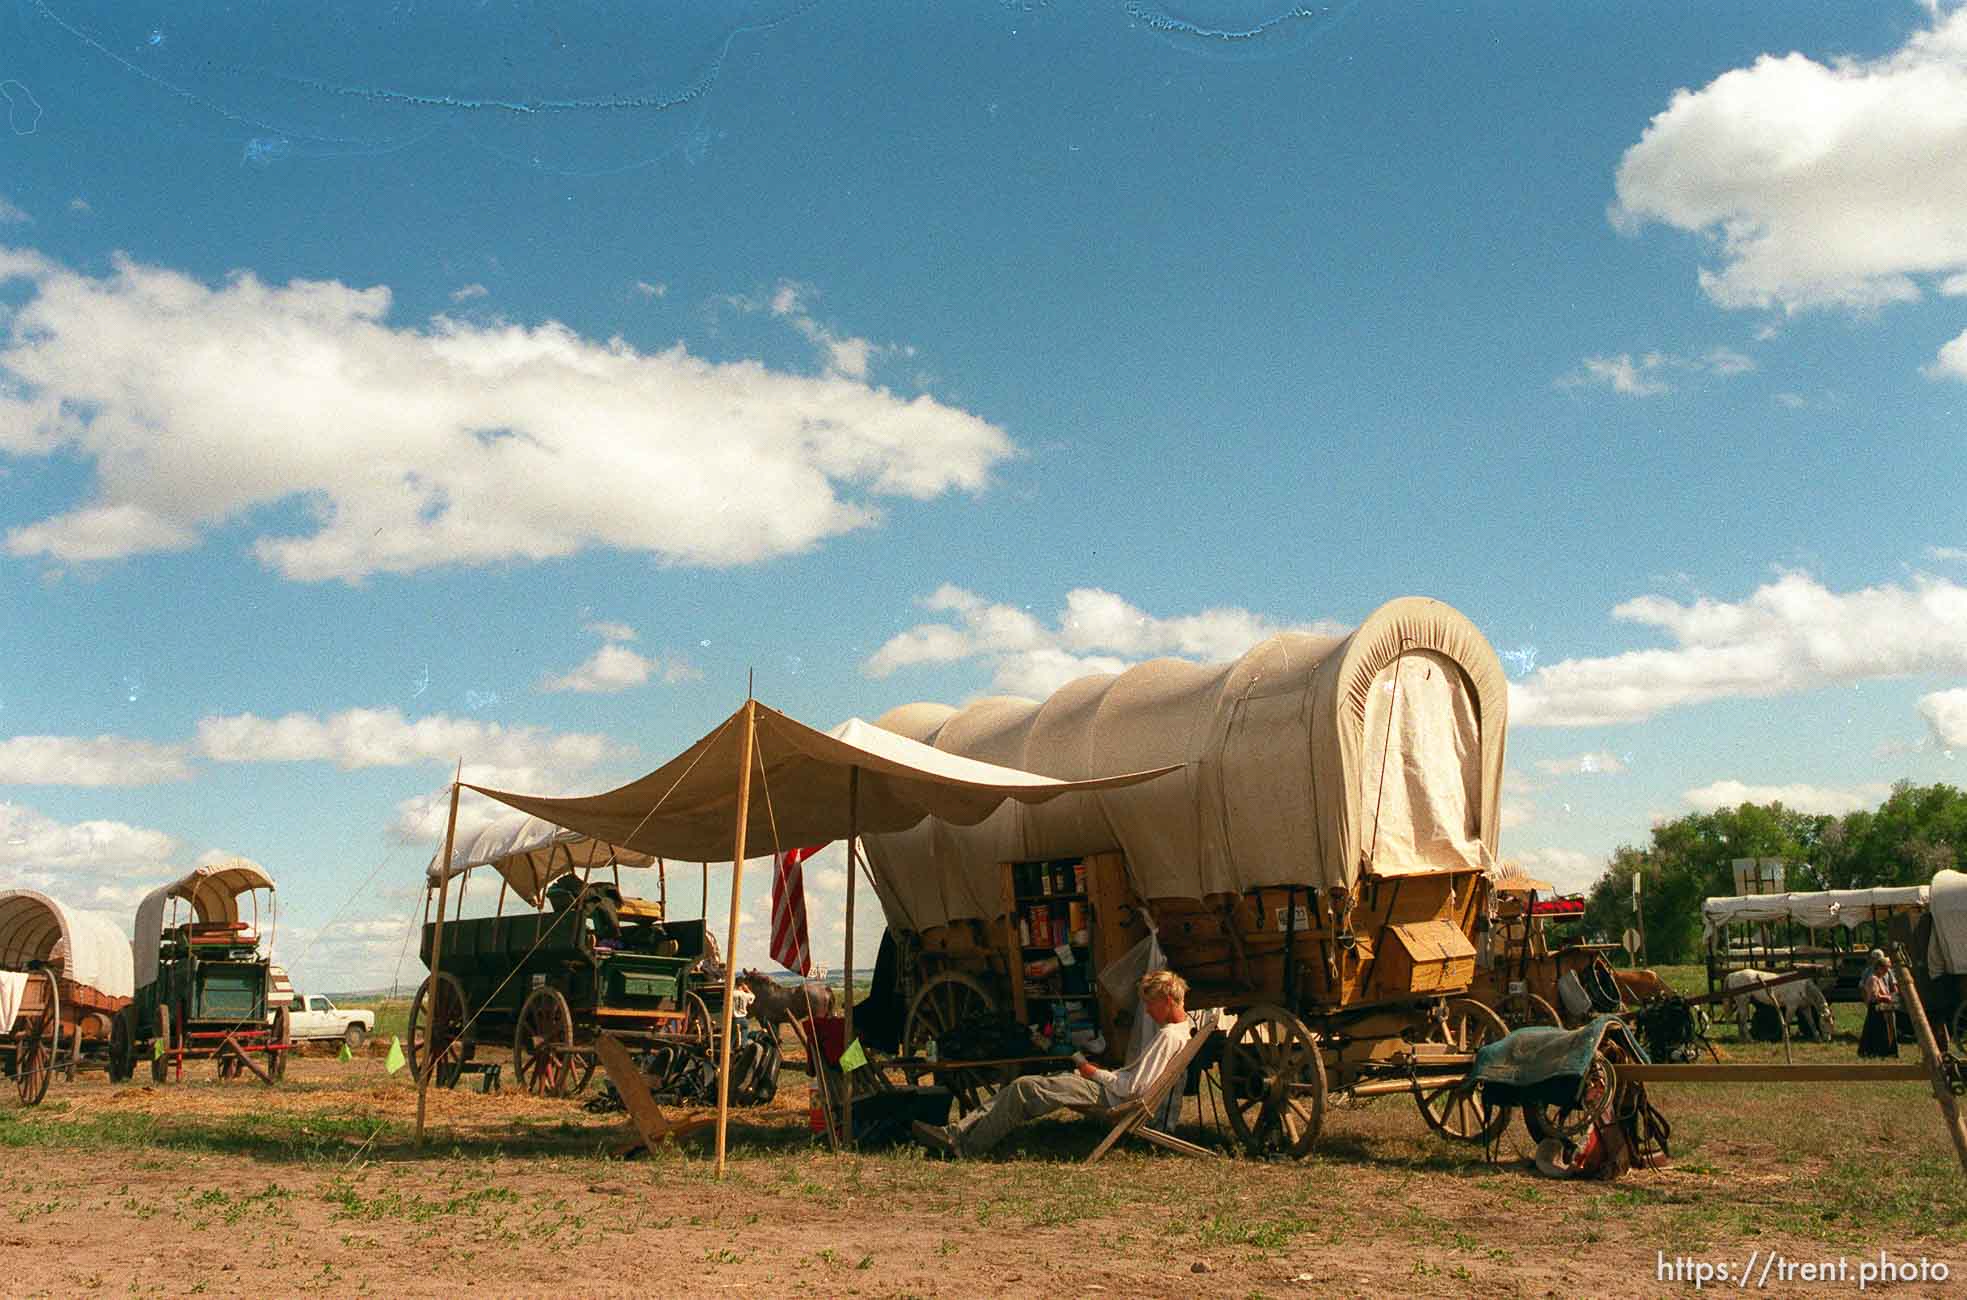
[
  {"x": 941, "y": 1004},
  {"x": 541, "y": 1042},
  {"x": 1274, "y": 1086},
  {"x": 1462, "y": 1115}
]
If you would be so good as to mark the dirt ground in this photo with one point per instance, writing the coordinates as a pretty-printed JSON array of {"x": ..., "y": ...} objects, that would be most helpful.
[{"x": 316, "y": 1186}]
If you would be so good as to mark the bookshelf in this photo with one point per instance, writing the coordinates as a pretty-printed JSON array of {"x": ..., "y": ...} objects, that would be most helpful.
[{"x": 1065, "y": 920}]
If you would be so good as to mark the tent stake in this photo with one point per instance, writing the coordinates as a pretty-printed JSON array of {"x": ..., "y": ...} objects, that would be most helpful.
[
  {"x": 750, "y": 737},
  {"x": 437, "y": 954},
  {"x": 847, "y": 975}
]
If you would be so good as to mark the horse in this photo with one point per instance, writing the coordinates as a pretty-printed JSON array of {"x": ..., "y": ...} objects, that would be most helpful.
[
  {"x": 1789, "y": 1000},
  {"x": 774, "y": 1004}
]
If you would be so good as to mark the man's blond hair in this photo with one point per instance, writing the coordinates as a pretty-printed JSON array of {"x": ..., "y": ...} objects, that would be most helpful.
[{"x": 1162, "y": 984}]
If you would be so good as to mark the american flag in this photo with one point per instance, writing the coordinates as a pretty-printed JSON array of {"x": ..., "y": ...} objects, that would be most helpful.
[{"x": 789, "y": 947}]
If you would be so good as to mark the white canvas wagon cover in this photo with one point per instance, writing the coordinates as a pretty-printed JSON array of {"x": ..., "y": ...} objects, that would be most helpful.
[
  {"x": 93, "y": 951},
  {"x": 1948, "y": 953},
  {"x": 1307, "y": 761},
  {"x": 1816, "y": 910},
  {"x": 213, "y": 891},
  {"x": 529, "y": 852}
]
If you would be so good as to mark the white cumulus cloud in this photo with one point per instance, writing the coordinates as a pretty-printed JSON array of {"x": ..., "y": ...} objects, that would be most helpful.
[
  {"x": 1600, "y": 763},
  {"x": 1946, "y": 714},
  {"x": 33, "y": 844},
  {"x": 1793, "y": 634},
  {"x": 91, "y": 761},
  {"x": 448, "y": 443},
  {"x": 1796, "y": 797},
  {"x": 359, "y": 738},
  {"x": 1832, "y": 183},
  {"x": 1096, "y": 632}
]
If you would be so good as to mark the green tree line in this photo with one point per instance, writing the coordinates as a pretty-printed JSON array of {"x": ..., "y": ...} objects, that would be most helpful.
[{"x": 1916, "y": 832}]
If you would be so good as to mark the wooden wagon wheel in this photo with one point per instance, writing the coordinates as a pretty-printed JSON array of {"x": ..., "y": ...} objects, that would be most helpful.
[
  {"x": 580, "y": 1068},
  {"x": 541, "y": 1044},
  {"x": 1959, "y": 1031},
  {"x": 699, "y": 1026},
  {"x": 160, "y": 1061},
  {"x": 1458, "y": 1114},
  {"x": 437, "y": 1014},
  {"x": 1273, "y": 1076},
  {"x": 122, "y": 1052},
  {"x": 280, "y": 1046},
  {"x": 1600, "y": 1086},
  {"x": 36, "y": 1046},
  {"x": 945, "y": 1002},
  {"x": 1522, "y": 1009}
]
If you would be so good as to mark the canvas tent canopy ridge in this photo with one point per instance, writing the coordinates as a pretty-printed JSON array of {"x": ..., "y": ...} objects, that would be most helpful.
[
  {"x": 93, "y": 951},
  {"x": 213, "y": 891},
  {"x": 530, "y": 853},
  {"x": 1311, "y": 760},
  {"x": 687, "y": 808}
]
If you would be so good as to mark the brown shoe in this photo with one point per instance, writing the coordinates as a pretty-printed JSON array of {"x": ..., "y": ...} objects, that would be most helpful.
[{"x": 936, "y": 1138}]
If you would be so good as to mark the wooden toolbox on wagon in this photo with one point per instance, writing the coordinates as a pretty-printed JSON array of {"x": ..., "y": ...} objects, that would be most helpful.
[{"x": 1425, "y": 957}]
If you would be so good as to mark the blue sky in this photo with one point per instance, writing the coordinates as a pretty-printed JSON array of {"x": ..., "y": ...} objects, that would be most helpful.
[{"x": 506, "y": 381}]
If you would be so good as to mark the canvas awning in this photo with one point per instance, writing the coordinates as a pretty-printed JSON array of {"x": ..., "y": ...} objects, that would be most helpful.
[
  {"x": 764, "y": 780},
  {"x": 530, "y": 852},
  {"x": 93, "y": 951},
  {"x": 687, "y": 808},
  {"x": 213, "y": 891}
]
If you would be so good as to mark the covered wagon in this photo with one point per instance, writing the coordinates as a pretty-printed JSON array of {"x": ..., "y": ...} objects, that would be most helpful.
[
  {"x": 575, "y": 956},
  {"x": 1825, "y": 932},
  {"x": 1319, "y": 866},
  {"x": 1940, "y": 944},
  {"x": 206, "y": 988},
  {"x": 64, "y": 976}
]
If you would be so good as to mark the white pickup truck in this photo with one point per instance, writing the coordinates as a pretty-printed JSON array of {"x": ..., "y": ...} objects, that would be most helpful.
[{"x": 311, "y": 1016}]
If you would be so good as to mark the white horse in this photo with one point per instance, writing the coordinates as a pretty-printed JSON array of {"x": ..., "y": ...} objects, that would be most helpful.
[{"x": 1788, "y": 999}]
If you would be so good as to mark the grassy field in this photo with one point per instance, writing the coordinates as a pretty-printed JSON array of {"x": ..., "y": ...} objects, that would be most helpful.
[{"x": 230, "y": 1188}]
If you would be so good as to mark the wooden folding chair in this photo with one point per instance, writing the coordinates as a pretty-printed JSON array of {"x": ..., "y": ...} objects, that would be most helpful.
[
  {"x": 1136, "y": 1117},
  {"x": 644, "y": 1115}
]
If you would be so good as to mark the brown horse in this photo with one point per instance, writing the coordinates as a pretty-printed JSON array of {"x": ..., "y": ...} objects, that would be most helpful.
[{"x": 776, "y": 1004}]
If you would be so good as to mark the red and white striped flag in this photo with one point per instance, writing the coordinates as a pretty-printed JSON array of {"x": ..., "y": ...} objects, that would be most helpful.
[{"x": 789, "y": 947}]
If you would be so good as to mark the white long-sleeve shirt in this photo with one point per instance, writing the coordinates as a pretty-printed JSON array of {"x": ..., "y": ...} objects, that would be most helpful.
[{"x": 1138, "y": 1075}]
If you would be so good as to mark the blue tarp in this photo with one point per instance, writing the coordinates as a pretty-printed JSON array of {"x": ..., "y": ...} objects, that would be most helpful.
[{"x": 1539, "y": 1053}]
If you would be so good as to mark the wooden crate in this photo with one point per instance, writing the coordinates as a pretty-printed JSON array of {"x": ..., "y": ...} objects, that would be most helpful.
[{"x": 1425, "y": 957}]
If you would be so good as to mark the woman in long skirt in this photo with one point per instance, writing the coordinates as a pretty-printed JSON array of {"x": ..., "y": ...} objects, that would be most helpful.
[{"x": 1881, "y": 993}]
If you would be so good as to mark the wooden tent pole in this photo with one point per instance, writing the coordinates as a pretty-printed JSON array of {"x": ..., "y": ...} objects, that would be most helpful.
[
  {"x": 429, "y": 1063},
  {"x": 847, "y": 975},
  {"x": 1916, "y": 1009},
  {"x": 749, "y": 738}
]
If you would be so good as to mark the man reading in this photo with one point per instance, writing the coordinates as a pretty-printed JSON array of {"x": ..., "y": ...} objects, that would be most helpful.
[{"x": 1030, "y": 1096}]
